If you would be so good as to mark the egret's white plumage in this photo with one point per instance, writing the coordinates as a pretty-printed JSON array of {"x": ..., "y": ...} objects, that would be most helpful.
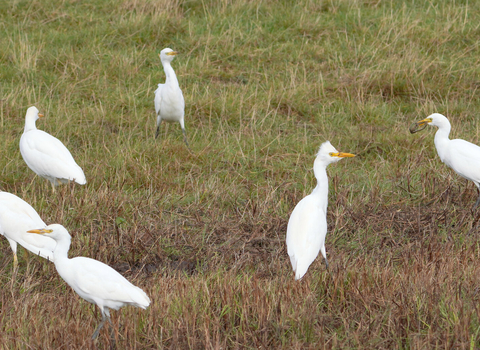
[
  {"x": 46, "y": 155},
  {"x": 169, "y": 102},
  {"x": 307, "y": 226},
  {"x": 16, "y": 218},
  {"x": 460, "y": 155},
  {"x": 93, "y": 280}
]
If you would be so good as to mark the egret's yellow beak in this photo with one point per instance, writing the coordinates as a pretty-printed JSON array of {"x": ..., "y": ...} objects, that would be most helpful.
[
  {"x": 173, "y": 53},
  {"x": 419, "y": 126},
  {"x": 40, "y": 115},
  {"x": 424, "y": 121},
  {"x": 40, "y": 231},
  {"x": 342, "y": 155}
]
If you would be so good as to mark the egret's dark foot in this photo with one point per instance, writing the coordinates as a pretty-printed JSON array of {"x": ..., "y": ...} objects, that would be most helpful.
[
  {"x": 185, "y": 138},
  {"x": 476, "y": 203},
  {"x": 112, "y": 334},
  {"x": 100, "y": 326},
  {"x": 157, "y": 132},
  {"x": 330, "y": 272},
  {"x": 97, "y": 331}
]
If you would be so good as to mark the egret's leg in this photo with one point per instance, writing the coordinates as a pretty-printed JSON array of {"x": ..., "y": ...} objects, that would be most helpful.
[
  {"x": 53, "y": 187},
  {"x": 15, "y": 269},
  {"x": 100, "y": 326},
  {"x": 112, "y": 334},
  {"x": 13, "y": 245},
  {"x": 159, "y": 121},
  {"x": 324, "y": 253},
  {"x": 477, "y": 202},
  {"x": 182, "y": 125},
  {"x": 185, "y": 138}
]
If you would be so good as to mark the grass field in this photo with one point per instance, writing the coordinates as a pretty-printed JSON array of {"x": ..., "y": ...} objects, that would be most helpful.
[{"x": 203, "y": 232}]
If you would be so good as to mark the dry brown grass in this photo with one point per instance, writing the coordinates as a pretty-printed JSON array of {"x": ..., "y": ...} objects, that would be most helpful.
[{"x": 400, "y": 276}]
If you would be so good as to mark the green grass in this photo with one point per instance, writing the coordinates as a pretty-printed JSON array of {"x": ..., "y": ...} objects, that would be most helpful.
[{"x": 203, "y": 232}]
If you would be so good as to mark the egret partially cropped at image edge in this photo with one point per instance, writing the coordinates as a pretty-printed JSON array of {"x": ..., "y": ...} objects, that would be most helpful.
[
  {"x": 307, "y": 226},
  {"x": 93, "y": 280},
  {"x": 460, "y": 155},
  {"x": 46, "y": 155},
  {"x": 16, "y": 218},
  {"x": 169, "y": 101}
]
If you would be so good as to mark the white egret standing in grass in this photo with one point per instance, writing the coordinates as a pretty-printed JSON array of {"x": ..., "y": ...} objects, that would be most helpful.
[
  {"x": 16, "y": 218},
  {"x": 46, "y": 155},
  {"x": 93, "y": 280},
  {"x": 169, "y": 102},
  {"x": 460, "y": 155},
  {"x": 307, "y": 226}
]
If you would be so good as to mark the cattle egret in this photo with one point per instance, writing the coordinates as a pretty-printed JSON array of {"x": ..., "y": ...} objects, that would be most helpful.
[
  {"x": 93, "y": 280},
  {"x": 460, "y": 155},
  {"x": 169, "y": 102},
  {"x": 16, "y": 218},
  {"x": 307, "y": 226},
  {"x": 46, "y": 155}
]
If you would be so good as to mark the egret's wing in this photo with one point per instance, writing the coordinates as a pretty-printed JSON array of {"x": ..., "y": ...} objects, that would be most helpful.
[
  {"x": 169, "y": 101},
  {"x": 173, "y": 96},
  {"x": 464, "y": 157},
  {"x": 181, "y": 98},
  {"x": 46, "y": 144},
  {"x": 14, "y": 203},
  {"x": 16, "y": 218},
  {"x": 48, "y": 156},
  {"x": 158, "y": 98},
  {"x": 94, "y": 281},
  {"x": 306, "y": 231},
  {"x": 37, "y": 244}
]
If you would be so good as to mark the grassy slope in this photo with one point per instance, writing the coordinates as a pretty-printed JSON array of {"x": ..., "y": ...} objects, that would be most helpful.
[{"x": 265, "y": 84}]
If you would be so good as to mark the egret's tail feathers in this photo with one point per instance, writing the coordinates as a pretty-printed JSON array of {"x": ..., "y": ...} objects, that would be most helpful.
[
  {"x": 79, "y": 177},
  {"x": 301, "y": 270},
  {"x": 140, "y": 298},
  {"x": 81, "y": 181},
  {"x": 297, "y": 267}
]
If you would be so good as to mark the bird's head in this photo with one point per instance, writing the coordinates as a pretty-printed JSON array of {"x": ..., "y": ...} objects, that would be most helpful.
[
  {"x": 436, "y": 119},
  {"x": 328, "y": 154},
  {"x": 33, "y": 113},
  {"x": 54, "y": 231},
  {"x": 167, "y": 54}
]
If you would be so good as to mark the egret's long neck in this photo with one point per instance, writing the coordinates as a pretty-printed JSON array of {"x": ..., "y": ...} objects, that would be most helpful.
[
  {"x": 30, "y": 123},
  {"x": 171, "y": 77},
  {"x": 60, "y": 254},
  {"x": 321, "y": 190},
  {"x": 441, "y": 138}
]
